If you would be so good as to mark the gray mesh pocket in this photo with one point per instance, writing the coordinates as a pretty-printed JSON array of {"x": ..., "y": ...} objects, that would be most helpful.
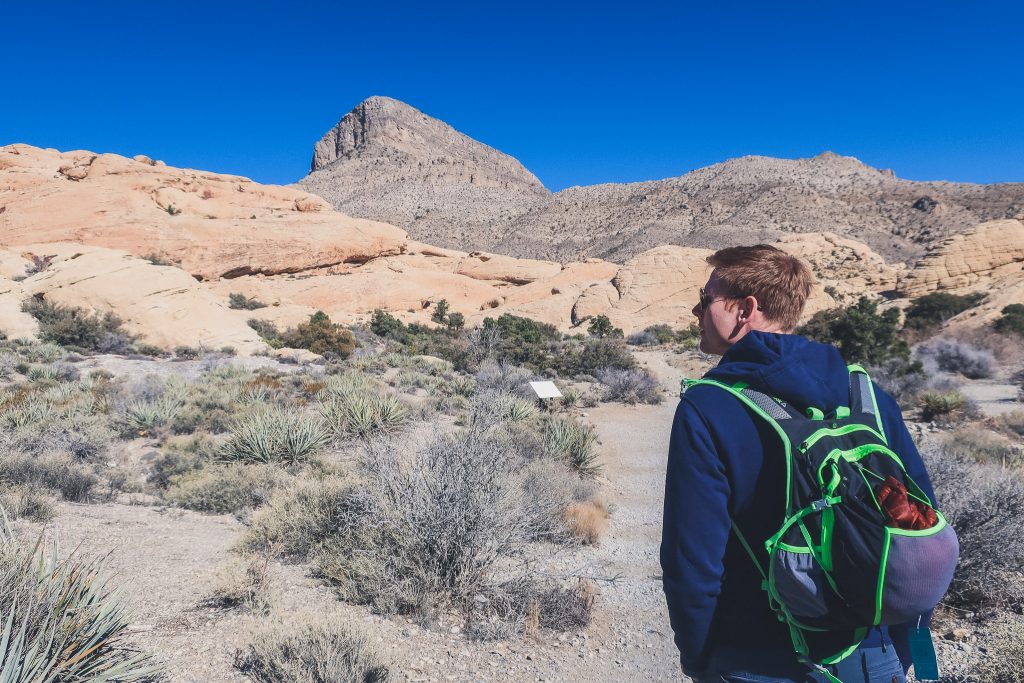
[
  {"x": 918, "y": 571},
  {"x": 800, "y": 583}
]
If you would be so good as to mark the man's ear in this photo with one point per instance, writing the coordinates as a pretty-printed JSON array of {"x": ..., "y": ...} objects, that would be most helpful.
[{"x": 747, "y": 307}]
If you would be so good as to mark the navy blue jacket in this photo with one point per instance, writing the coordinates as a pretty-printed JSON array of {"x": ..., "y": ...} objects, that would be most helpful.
[{"x": 726, "y": 464}]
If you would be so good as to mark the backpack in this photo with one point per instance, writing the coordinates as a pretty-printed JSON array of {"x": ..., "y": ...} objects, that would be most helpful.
[{"x": 838, "y": 566}]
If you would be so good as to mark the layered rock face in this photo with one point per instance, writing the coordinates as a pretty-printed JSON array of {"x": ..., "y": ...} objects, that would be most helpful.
[
  {"x": 389, "y": 160},
  {"x": 210, "y": 224},
  {"x": 373, "y": 170}
]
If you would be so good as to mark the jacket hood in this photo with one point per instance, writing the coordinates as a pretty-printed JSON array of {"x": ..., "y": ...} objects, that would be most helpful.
[{"x": 789, "y": 367}]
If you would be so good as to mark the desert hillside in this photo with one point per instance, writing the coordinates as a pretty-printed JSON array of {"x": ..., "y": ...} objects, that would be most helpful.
[{"x": 388, "y": 161}]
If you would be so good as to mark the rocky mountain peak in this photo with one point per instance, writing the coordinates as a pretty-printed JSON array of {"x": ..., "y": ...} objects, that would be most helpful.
[{"x": 386, "y": 139}]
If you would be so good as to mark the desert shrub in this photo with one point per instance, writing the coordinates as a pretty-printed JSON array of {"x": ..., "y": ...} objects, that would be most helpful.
[
  {"x": 300, "y": 519},
  {"x": 271, "y": 434},
  {"x": 170, "y": 465},
  {"x": 72, "y": 327},
  {"x": 1003, "y": 661},
  {"x": 1012, "y": 422},
  {"x": 571, "y": 398},
  {"x": 45, "y": 429},
  {"x": 240, "y": 301},
  {"x": 587, "y": 520},
  {"x": 26, "y": 502},
  {"x": 438, "y": 521},
  {"x": 226, "y": 488},
  {"x": 187, "y": 353},
  {"x": 506, "y": 407},
  {"x": 267, "y": 331},
  {"x": 572, "y": 442},
  {"x": 985, "y": 446},
  {"x": 8, "y": 364},
  {"x": 656, "y": 335},
  {"x": 56, "y": 472},
  {"x": 242, "y": 585},
  {"x": 643, "y": 338},
  {"x": 321, "y": 336},
  {"x": 601, "y": 326},
  {"x": 860, "y": 332},
  {"x": 952, "y": 355},
  {"x": 941, "y": 404},
  {"x": 586, "y": 357},
  {"x": 61, "y": 621},
  {"x": 527, "y": 606},
  {"x": 362, "y": 414},
  {"x": 931, "y": 310},
  {"x": 985, "y": 504},
  {"x": 504, "y": 378},
  {"x": 1012, "y": 320},
  {"x": 43, "y": 353},
  {"x": 902, "y": 379},
  {"x": 383, "y": 324},
  {"x": 317, "y": 651},
  {"x": 629, "y": 386}
]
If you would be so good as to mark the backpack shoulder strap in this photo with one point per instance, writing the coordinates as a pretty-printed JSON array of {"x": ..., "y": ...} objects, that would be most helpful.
[
  {"x": 862, "y": 397},
  {"x": 771, "y": 409}
]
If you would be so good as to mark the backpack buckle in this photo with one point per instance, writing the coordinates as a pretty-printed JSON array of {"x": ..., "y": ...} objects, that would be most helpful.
[{"x": 821, "y": 504}]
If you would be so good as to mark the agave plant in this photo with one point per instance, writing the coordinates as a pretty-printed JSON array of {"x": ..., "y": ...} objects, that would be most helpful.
[
  {"x": 572, "y": 442},
  {"x": 61, "y": 622}
]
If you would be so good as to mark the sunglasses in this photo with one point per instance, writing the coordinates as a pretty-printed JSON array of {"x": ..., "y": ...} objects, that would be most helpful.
[{"x": 705, "y": 299}]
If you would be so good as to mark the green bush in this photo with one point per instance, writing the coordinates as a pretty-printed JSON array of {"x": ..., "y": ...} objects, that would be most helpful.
[
  {"x": 860, "y": 332},
  {"x": 1012, "y": 320},
  {"x": 931, "y": 310},
  {"x": 600, "y": 326},
  {"x": 61, "y": 621},
  {"x": 941, "y": 404},
  {"x": 73, "y": 327},
  {"x": 240, "y": 301},
  {"x": 321, "y": 336},
  {"x": 267, "y": 331},
  {"x": 362, "y": 414},
  {"x": 384, "y": 324}
]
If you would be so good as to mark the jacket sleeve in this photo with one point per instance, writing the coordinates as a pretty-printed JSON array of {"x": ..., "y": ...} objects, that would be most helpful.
[
  {"x": 695, "y": 534},
  {"x": 900, "y": 441}
]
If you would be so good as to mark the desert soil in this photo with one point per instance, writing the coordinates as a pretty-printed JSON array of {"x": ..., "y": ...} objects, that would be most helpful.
[{"x": 167, "y": 560}]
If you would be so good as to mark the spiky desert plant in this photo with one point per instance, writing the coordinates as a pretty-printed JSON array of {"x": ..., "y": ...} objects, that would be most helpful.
[
  {"x": 61, "y": 621},
  {"x": 147, "y": 415},
  {"x": 273, "y": 434},
  {"x": 572, "y": 442},
  {"x": 360, "y": 414}
]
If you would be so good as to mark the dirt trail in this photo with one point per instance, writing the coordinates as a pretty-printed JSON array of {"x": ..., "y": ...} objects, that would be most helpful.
[{"x": 167, "y": 560}]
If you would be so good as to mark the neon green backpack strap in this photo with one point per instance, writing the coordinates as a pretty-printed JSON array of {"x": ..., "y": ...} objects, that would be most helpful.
[{"x": 862, "y": 396}]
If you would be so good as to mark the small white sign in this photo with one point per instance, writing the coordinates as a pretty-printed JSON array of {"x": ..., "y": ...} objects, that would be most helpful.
[{"x": 545, "y": 390}]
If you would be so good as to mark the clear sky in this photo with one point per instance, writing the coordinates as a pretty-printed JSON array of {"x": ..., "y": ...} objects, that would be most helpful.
[{"x": 580, "y": 92}]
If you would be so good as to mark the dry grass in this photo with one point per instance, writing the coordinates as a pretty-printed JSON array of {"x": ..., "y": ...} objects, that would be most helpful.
[
  {"x": 242, "y": 586},
  {"x": 226, "y": 488},
  {"x": 587, "y": 521},
  {"x": 1004, "y": 660},
  {"x": 984, "y": 446}
]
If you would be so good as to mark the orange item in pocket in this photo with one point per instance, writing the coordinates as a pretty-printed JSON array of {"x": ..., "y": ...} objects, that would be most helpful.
[{"x": 902, "y": 511}]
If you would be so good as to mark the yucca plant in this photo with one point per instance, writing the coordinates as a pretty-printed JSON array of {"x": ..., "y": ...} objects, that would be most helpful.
[
  {"x": 44, "y": 373},
  {"x": 273, "y": 434},
  {"x": 572, "y": 442},
  {"x": 33, "y": 410},
  {"x": 514, "y": 409},
  {"x": 144, "y": 416},
  {"x": 60, "y": 620},
  {"x": 359, "y": 414}
]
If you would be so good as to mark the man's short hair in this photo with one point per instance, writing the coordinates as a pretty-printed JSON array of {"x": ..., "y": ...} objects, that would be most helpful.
[{"x": 780, "y": 282}]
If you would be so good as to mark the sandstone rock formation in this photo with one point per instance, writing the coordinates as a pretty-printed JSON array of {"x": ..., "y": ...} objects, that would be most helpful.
[
  {"x": 162, "y": 304},
  {"x": 378, "y": 164},
  {"x": 212, "y": 225}
]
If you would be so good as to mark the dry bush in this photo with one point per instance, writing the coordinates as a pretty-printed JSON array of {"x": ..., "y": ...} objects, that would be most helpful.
[
  {"x": 587, "y": 520},
  {"x": 958, "y": 357},
  {"x": 629, "y": 386},
  {"x": 242, "y": 585},
  {"x": 505, "y": 378},
  {"x": 1012, "y": 421},
  {"x": 1003, "y": 661},
  {"x": 985, "y": 504},
  {"x": 315, "y": 651},
  {"x": 985, "y": 446},
  {"x": 526, "y": 606},
  {"x": 26, "y": 502},
  {"x": 226, "y": 488},
  {"x": 300, "y": 519},
  {"x": 57, "y": 472}
]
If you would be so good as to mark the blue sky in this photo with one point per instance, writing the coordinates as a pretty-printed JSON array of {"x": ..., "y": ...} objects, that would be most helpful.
[{"x": 581, "y": 93}]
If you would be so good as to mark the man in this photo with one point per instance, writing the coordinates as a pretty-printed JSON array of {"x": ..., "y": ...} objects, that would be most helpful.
[{"x": 726, "y": 465}]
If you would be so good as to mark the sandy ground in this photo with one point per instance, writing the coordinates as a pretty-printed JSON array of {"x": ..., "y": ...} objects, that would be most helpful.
[{"x": 168, "y": 560}]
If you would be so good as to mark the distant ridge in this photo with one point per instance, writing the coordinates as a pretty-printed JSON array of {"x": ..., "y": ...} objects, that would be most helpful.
[{"x": 388, "y": 161}]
